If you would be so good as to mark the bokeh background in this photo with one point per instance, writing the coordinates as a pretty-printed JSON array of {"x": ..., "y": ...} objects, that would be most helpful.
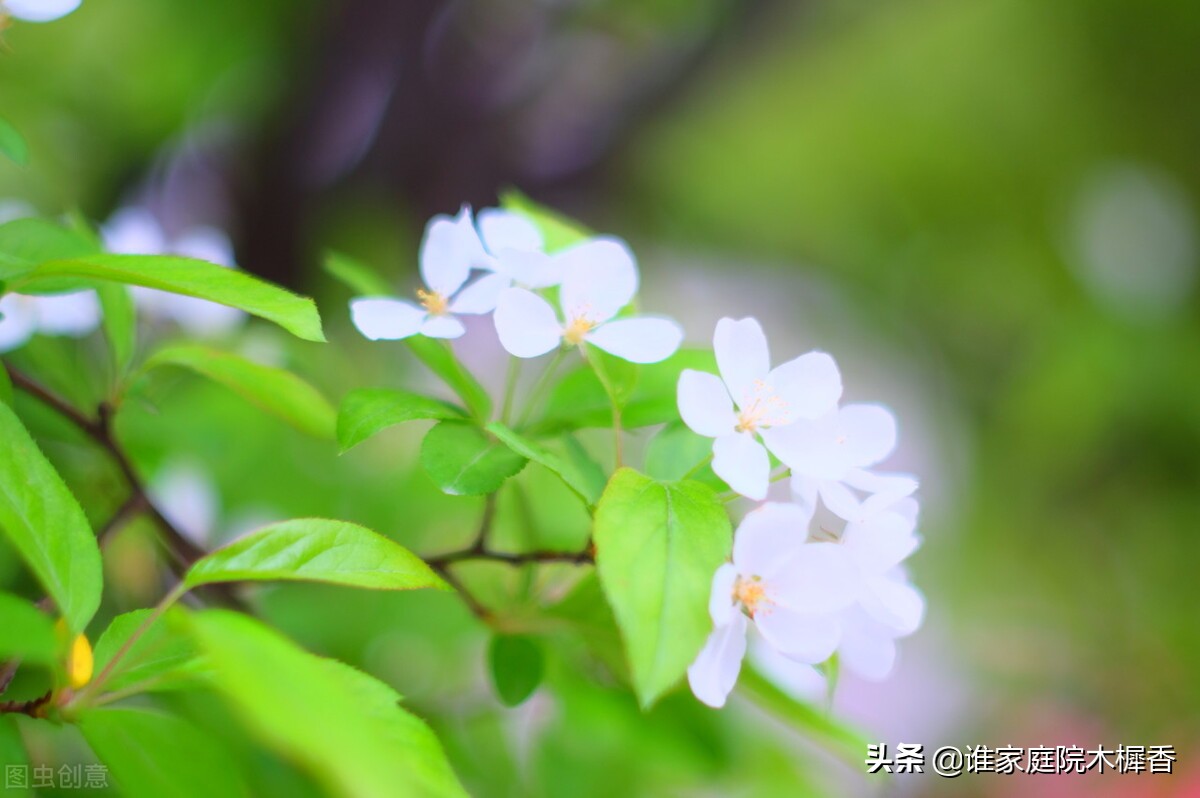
[{"x": 988, "y": 211}]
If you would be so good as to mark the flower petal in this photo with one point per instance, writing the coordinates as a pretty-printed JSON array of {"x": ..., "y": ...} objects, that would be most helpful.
[
  {"x": 810, "y": 448},
  {"x": 720, "y": 601},
  {"x": 443, "y": 326},
  {"x": 526, "y": 323},
  {"x": 816, "y": 578},
  {"x": 811, "y": 385},
  {"x": 599, "y": 278},
  {"x": 799, "y": 680},
  {"x": 481, "y": 295},
  {"x": 885, "y": 490},
  {"x": 530, "y": 269},
  {"x": 880, "y": 542},
  {"x": 704, "y": 404},
  {"x": 18, "y": 321},
  {"x": 804, "y": 493},
  {"x": 868, "y": 648},
  {"x": 742, "y": 356},
  {"x": 868, "y": 433},
  {"x": 714, "y": 672},
  {"x": 133, "y": 231},
  {"x": 767, "y": 537},
  {"x": 501, "y": 230},
  {"x": 894, "y": 602},
  {"x": 450, "y": 248},
  {"x": 186, "y": 496},
  {"x": 380, "y": 318},
  {"x": 803, "y": 637},
  {"x": 75, "y": 314},
  {"x": 40, "y": 10},
  {"x": 743, "y": 463},
  {"x": 840, "y": 500},
  {"x": 643, "y": 339}
]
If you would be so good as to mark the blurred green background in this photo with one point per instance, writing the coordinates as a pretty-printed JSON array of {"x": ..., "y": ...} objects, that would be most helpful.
[{"x": 987, "y": 211}]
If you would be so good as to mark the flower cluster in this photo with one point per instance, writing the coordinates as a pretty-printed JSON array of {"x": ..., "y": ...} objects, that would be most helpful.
[
  {"x": 810, "y": 582},
  {"x": 594, "y": 280}
]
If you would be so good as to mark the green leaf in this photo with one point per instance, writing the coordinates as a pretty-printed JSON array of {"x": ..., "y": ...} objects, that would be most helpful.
[
  {"x": 277, "y": 391},
  {"x": 12, "y": 753},
  {"x": 26, "y": 633},
  {"x": 843, "y": 740},
  {"x": 24, "y": 243},
  {"x": 189, "y": 277},
  {"x": 369, "y": 410},
  {"x": 47, "y": 526},
  {"x": 585, "y": 465},
  {"x": 657, "y": 548},
  {"x": 120, "y": 323},
  {"x": 517, "y": 665},
  {"x": 162, "y": 657},
  {"x": 561, "y": 468},
  {"x": 6, "y": 387},
  {"x": 152, "y": 754},
  {"x": 464, "y": 461},
  {"x": 12, "y": 144},
  {"x": 439, "y": 358},
  {"x": 343, "y": 726},
  {"x": 558, "y": 231},
  {"x": 675, "y": 451},
  {"x": 359, "y": 278},
  {"x": 316, "y": 550}
]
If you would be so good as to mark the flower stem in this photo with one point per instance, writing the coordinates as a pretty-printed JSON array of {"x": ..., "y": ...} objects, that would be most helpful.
[
  {"x": 510, "y": 388},
  {"x": 535, "y": 394}
]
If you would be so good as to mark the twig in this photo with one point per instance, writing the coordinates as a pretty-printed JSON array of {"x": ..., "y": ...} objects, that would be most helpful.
[{"x": 522, "y": 558}]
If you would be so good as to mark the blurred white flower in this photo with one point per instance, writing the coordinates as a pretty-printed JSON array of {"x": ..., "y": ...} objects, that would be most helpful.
[
  {"x": 790, "y": 589},
  {"x": 184, "y": 493},
  {"x": 21, "y": 316},
  {"x": 450, "y": 250},
  {"x": 134, "y": 231},
  {"x": 599, "y": 278},
  {"x": 750, "y": 400},
  {"x": 39, "y": 10}
]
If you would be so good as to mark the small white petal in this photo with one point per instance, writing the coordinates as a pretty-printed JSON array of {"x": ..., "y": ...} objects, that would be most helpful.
[
  {"x": 868, "y": 648},
  {"x": 715, "y": 670},
  {"x": 75, "y": 314},
  {"x": 134, "y": 231},
  {"x": 812, "y": 449},
  {"x": 742, "y": 356},
  {"x": 446, "y": 257},
  {"x": 704, "y": 404},
  {"x": 529, "y": 268},
  {"x": 442, "y": 327},
  {"x": 805, "y": 491},
  {"x": 803, "y": 637},
  {"x": 642, "y": 339},
  {"x": 18, "y": 321},
  {"x": 816, "y": 578},
  {"x": 380, "y": 318},
  {"x": 743, "y": 463},
  {"x": 869, "y": 433},
  {"x": 526, "y": 323},
  {"x": 840, "y": 500},
  {"x": 40, "y": 10},
  {"x": 767, "y": 537},
  {"x": 885, "y": 490},
  {"x": 880, "y": 542},
  {"x": 599, "y": 277},
  {"x": 810, "y": 385},
  {"x": 480, "y": 296},
  {"x": 799, "y": 680},
  {"x": 720, "y": 601},
  {"x": 895, "y": 603},
  {"x": 501, "y": 230},
  {"x": 205, "y": 243}
]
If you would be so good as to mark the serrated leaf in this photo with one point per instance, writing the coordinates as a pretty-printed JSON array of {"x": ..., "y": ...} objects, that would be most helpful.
[
  {"x": 188, "y": 277},
  {"x": 162, "y": 656},
  {"x": 152, "y": 754},
  {"x": 46, "y": 525},
  {"x": 26, "y": 242},
  {"x": 462, "y": 460},
  {"x": 12, "y": 144},
  {"x": 517, "y": 665},
  {"x": 657, "y": 548},
  {"x": 277, "y": 391},
  {"x": 539, "y": 454},
  {"x": 26, "y": 633},
  {"x": 439, "y": 358},
  {"x": 368, "y": 411},
  {"x": 343, "y": 726},
  {"x": 316, "y": 550}
]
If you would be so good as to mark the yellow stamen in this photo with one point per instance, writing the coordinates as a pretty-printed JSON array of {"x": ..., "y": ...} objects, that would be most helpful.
[
  {"x": 577, "y": 329},
  {"x": 433, "y": 302},
  {"x": 762, "y": 408},
  {"x": 749, "y": 593}
]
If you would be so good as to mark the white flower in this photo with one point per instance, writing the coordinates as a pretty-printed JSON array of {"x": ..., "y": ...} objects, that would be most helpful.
[
  {"x": 599, "y": 278},
  {"x": 134, "y": 231},
  {"x": 888, "y": 606},
  {"x": 21, "y": 316},
  {"x": 791, "y": 590},
  {"x": 751, "y": 400},
  {"x": 39, "y": 10},
  {"x": 450, "y": 250},
  {"x": 517, "y": 250},
  {"x": 184, "y": 493}
]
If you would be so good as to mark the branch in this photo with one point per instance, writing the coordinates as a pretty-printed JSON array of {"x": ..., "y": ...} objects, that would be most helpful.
[{"x": 522, "y": 558}]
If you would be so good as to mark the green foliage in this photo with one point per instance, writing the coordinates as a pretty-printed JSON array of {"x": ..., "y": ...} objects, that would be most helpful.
[
  {"x": 346, "y": 728},
  {"x": 275, "y": 390},
  {"x": 517, "y": 665},
  {"x": 316, "y": 550},
  {"x": 151, "y": 754},
  {"x": 558, "y": 231},
  {"x": 657, "y": 547},
  {"x": 566, "y": 470},
  {"x": 25, "y": 632},
  {"x": 367, "y": 411},
  {"x": 186, "y": 276},
  {"x": 440, "y": 359},
  {"x": 463, "y": 460},
  {"x": 24, "y": 243},
  {"x": 12, "y": 144},
  {"x": 162, "y": 656},
  {"x": 354, "y": 275},
  {"x": 44, "y": 522},
  {"x": 120, "y": 324},
  {"x": 839, "y": 737}
]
